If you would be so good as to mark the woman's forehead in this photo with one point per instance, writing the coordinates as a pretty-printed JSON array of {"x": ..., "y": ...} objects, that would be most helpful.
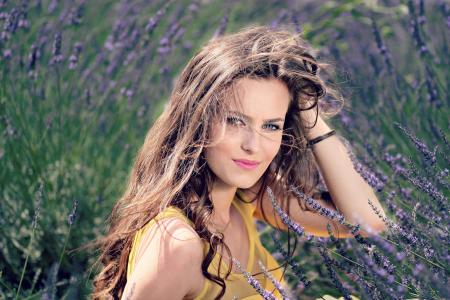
[{"x": 259, "y": 98}]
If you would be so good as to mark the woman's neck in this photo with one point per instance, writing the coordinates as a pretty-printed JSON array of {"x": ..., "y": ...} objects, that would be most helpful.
[{"x": 222, "y": 196}]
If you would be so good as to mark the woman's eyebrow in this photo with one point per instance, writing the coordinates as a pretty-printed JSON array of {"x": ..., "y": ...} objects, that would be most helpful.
[{"x": 249, "y": 118}]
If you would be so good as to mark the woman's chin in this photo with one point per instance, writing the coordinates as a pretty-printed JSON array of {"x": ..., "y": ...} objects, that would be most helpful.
[{"x": 246, "y": 185}]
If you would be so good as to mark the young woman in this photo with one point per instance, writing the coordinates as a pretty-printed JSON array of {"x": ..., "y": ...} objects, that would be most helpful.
[{"x": 243, "y": 116}]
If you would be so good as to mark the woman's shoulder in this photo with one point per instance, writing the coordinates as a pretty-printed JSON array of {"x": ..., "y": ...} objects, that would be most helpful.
[
  {"x": 175, "y": 235},
  {"x": 169, "y": 253},
  {"x": 169, "y": 226}
]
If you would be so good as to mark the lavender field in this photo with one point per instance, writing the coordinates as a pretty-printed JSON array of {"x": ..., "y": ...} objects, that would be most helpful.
[{"x": 82, "y": 81}]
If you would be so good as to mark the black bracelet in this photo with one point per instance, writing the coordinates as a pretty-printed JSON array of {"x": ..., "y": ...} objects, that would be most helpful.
[{"x": 320, "y": 138}]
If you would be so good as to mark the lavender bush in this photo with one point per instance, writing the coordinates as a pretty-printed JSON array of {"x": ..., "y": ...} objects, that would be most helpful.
[{"x": 81, "y": 81}]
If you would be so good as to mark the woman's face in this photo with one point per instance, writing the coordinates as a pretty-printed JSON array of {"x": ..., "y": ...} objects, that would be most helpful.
[{"x": 252, "y": 133}]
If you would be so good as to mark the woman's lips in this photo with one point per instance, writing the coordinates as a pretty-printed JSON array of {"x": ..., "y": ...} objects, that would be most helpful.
[{"x": 245, "y": 164}]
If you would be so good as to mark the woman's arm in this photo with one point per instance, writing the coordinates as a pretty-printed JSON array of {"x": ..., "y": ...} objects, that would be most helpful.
[{"x": 348, "y": 190}]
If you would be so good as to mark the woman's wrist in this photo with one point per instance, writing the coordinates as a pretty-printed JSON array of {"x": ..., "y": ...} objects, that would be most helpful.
[{"x": 319, "y": 129}]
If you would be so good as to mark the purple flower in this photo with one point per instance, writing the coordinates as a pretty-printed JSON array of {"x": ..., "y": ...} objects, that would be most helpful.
[
  {"x": 222, "y": 27},
  {"x": 368, "y": 175},
  {"x": 337, "y": 282},
  {"x": 39, "y": 196},
  {"x": 381, "y": 46},
  {"x": 254, "y": 283},
  {"x": 153, "y": 21},
  {"x": 7, "y": 54},
  {"x": 275, "y": 282},
  {"x": 52, "y": 6},
  {"x": 57, "y": 57},
  {"x": 10, "y": 25},
  {"x": 298, "y": 229},
  {"x": 330, "y": 214},
  {"x": 75, "y": 14},
  {"x": 72, "y": 215},
  {"x": 418, "y": 269},
  {"x": 420, "y": 145}
]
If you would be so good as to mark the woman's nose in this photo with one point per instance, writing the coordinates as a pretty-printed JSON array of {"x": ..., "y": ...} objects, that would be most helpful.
[{"x": 251, "y": 140}]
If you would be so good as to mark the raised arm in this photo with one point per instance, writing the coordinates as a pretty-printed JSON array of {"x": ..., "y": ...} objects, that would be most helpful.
[
  {"x": 168, "y": 263},
  {"x": 349, "y": 191}
]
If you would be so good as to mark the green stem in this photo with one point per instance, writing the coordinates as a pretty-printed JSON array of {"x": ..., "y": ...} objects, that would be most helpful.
[
  {"x": 25, "y": 264},
  {"x": 64, "y": 248}
]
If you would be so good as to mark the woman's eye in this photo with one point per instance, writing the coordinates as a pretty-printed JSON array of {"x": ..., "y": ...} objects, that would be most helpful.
[
  {"x": 274, "y": 127},
  {"x": 234, "y": 120}
]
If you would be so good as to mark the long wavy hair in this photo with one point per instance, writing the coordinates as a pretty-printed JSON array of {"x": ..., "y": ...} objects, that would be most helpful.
[{"x": 170, "y": 169}]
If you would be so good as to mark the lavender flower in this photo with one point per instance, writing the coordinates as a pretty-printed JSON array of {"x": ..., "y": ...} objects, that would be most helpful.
[
  {"x": 222, "y": 27},
  {"x": 75, "y": 14},
  {"x": 23, "y": 20},
  {"x": 422, "y": 19},
  {"x": 420, "y": 145},
  {"x": 368, "y": 175},
  {"x": 57, "y": 57},
  {"x": 7, "y": 54},
  {"x": 72, "y": 215},
  {"x": 332, "y": 273},
  {"x": 433, "y": 96},
  {"x": 153, "y": 21},
  {"x": 281, "y": 15},
  {"x": 10, "y": 25},
  {"x": 423, "y": 184},
  {"x": 33, "y": 57},
  {"x": 52, "y": 6},
  {"x": 382, "y": 47},
  {"x": 38, "y": 205},
  {"x": 294, "y": 19},
  {"x": 73, "y": 59},
  {"x": 445, "y": 10},
  {"x": 254, "y": 283},
  {"x": 275, "y": 282},
  {"x": 298, "y": 229},
  {"x": 411, "y": 238},
  {"x": 383, "y": 279},
  {"x": 394, "y": 162},
  {"x": 415, "y": 30},
  {"x": 330, "y": 214}
]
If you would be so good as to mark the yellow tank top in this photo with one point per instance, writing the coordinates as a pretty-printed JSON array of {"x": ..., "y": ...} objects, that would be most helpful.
[{"x": 236, "y": 284}]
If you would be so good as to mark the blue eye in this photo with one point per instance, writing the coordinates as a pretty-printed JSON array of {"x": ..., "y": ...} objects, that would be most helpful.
[{"x": 274, "y": 127}]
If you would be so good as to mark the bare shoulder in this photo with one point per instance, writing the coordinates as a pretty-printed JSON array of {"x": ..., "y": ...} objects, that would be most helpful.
[{"x": 170, "y": 255}]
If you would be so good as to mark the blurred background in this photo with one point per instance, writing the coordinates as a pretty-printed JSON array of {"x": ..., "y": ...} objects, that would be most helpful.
[{"x": 82, "y": 82}]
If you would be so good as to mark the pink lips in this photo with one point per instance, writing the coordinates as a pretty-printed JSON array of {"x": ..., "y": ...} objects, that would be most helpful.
[{"x": 246, "y": 164}]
